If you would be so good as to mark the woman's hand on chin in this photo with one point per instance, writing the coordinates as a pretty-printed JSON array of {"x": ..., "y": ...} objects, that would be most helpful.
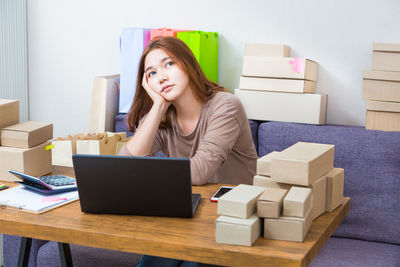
[{"x": 154, "y": 95}]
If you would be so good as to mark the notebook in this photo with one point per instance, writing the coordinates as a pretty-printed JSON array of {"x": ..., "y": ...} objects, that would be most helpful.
[
  {"x": 149, "y": 186},
  {"x": 24, "y": 199}
]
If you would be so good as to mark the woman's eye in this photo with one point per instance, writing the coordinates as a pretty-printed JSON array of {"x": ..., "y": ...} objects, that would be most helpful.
[
  {"x": 170, "y": 63},
  {"x": 151, "y": 73}
]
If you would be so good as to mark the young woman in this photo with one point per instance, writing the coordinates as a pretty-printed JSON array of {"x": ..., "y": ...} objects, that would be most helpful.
[{"x": 179, "y": 111}]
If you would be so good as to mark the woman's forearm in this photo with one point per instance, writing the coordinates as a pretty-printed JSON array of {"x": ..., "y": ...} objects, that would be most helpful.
[{"x": 142, "y": 141}]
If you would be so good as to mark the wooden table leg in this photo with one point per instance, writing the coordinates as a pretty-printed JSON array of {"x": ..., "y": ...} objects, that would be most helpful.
[
  {"x": 24, "y": 252},
  {"x": 65, "y": 254}
]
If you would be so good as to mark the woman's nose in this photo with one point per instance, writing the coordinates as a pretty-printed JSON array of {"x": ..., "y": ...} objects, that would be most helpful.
[{"x": 163, "y": 78}]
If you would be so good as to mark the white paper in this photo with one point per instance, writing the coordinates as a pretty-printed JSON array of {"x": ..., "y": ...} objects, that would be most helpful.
[{"x": 24, "y": 199}]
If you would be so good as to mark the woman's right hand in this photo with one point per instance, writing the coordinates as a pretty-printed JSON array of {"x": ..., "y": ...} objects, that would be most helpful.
[{"x": 155, "y": 96}]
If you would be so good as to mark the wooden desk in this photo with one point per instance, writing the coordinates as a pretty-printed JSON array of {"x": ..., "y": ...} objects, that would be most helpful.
[{"x": 186, "y": 239}]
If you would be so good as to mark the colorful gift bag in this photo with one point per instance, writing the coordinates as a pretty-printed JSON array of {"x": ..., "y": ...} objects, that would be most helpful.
[
  {"x": 133, "y": 41},
  {"x": 155, "y": 33},
  {"x": 204, "y": 46}
]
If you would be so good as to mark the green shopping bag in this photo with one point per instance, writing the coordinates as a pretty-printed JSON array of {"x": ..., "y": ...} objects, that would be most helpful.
[{"x": 204, "y": 46}]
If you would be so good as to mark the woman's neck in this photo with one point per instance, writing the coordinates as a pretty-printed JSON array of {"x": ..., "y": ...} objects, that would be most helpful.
[{"x": 188, "y": 110}]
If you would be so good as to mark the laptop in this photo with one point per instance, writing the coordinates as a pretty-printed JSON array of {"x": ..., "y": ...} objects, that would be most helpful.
[{"x": 149, "y": 186}]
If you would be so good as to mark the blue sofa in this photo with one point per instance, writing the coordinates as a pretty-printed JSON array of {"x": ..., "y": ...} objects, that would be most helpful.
[{"x": 368, "y": 236}]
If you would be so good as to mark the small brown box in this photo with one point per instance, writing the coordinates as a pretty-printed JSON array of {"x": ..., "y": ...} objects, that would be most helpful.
[
  {"x": 383, "y": 116},
  {"x": 35, "y": 161},
  {"x": 302, "y": 163},
  {"x": 9, "y": 113},
  {"x": 319, "y": 197},
  {"x": 269, "y": 204},
  {"x": 266, "y": 181},
  {"x": 287, "y": 228},
  {"x": 237, "y": 231},
  {"x": 386, "y": 56},
  {"x": 266, "y": 50},
  {"x": 334, "y": 188},
  {"x": 264, "y": 164},
  {"x": 26, "y": 134},
  {"x": 381, "y": 85},
  {"x": 297, "y": 202}
]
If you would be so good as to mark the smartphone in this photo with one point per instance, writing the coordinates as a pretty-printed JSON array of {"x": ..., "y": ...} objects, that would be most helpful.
[{"x": 222, "y": 190}]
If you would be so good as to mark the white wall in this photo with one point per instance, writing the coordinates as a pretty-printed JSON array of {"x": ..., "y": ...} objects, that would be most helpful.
[{"x": 72, "y": 41}]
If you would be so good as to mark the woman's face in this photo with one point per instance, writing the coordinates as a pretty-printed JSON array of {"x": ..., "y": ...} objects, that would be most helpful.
[{"x": 165, "y": 76}]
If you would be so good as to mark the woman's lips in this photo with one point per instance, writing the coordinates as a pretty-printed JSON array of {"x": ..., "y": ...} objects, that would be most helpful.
[{"x": 166, "y": 88}]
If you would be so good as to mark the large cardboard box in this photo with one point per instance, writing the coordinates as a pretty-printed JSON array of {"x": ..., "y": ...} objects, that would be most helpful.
[
  {"x": 269, "y": 204},
  {"x": 104, "y": 103},
  {"x": 297, "y": 202},
  {"x": 302, "y": 163},
  {"x": 383, "y": 116},
  {"x": 264, "y": 164},
  {"x": 26, "y": 134},
  {"x": 280, "y": 67},
  {"x": 9, "y": 113},
  {"x": 277, "y": 85},
  {"x": 287, "y": 228},
  {"x": 334, "y": 188},
  {"x": 318, "y": 197},
  {"x": 266, "y": 50},
  {"x": 381, "y": 85},
  {"x": 386, "y": 56},
  {"x": 237, "y": 231},
  {"x": 35, "y": 161},
  {"x": 273, "y": 106},
  {"x": 265, "y": 181},
  {"x": 240, "y": 202}
]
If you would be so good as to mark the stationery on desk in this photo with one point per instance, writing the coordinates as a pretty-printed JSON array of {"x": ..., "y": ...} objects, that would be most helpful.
[{"x": 25, "y": 200}]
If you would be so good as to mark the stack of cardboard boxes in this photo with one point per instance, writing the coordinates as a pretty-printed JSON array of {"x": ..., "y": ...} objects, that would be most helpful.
[
  {"x": 275, "y": 87},
  {"x": 291, "y": 188},
  {"x": 381, "y": 88},
  {"x": 24, "y": 146}
]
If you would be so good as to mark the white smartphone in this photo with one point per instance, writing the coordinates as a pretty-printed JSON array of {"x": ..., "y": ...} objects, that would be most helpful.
[{"x": 222, "y": 190}]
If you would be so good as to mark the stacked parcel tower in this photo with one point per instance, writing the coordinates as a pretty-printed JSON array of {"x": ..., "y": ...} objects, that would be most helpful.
[{"x": 276, "y": 87}]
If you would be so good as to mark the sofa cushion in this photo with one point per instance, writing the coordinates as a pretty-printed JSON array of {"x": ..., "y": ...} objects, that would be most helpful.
[
  {"x": 86, "y": 256},
  {"x": 371, "y": 162},
  {"x": 343, "y": 252}
]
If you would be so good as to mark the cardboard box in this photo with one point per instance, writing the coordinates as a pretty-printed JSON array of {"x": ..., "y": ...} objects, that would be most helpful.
[
  {"x": 26, "y": 134},
  {"x": 334, "y": 188},
  {"x": 287, "y": 228},
  {"x": 9, "y": 113},
  {"x": 35, "y": 161},
  {"x": 381, "y": 85},
  {"x": 273, "y": 106},
  {"x": 277, "y": 85},
  {"x": 383, "y": 116},
  {"x": 120, "y": 144},
  {"x": 264, "y": 164},
  {"x": 266, "y": 50},
  {"x": 104, "y": 146},
  {"x": 266, "y": 181},
  {"x": 297, "y": 202},
  {"x": 240, "y": 202},
  {"x": 269, "y": 204},
  {"x": 280, "y": 67},
  {"x": 302, "y": 163},
  {"x": 386, "y": 56},
  {"x": 230, "y": 230},
  {"x": 318, "y": 197},
  {"x": 104, "y": 103}
]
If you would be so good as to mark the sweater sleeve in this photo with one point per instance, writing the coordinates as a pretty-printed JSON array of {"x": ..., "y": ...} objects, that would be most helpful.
[{"x": 221, "y": 134}]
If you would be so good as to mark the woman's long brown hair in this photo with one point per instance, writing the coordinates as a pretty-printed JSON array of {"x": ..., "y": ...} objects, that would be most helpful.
[{"x": 203, "y": 89}]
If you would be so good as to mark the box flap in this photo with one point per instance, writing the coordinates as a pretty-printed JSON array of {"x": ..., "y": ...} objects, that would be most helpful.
[
  {"x": 247, "y": 222},
  {"x": 27, "y": 126},
  {"x": 381, "y": 75},
  {"x": 386, "y": 47},
  {"x": 383, "y": 106},
  {"x": 7, "y": 101}
]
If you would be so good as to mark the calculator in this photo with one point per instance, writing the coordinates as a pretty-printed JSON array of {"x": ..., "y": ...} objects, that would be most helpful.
[{"x": 49, "y": 184}]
